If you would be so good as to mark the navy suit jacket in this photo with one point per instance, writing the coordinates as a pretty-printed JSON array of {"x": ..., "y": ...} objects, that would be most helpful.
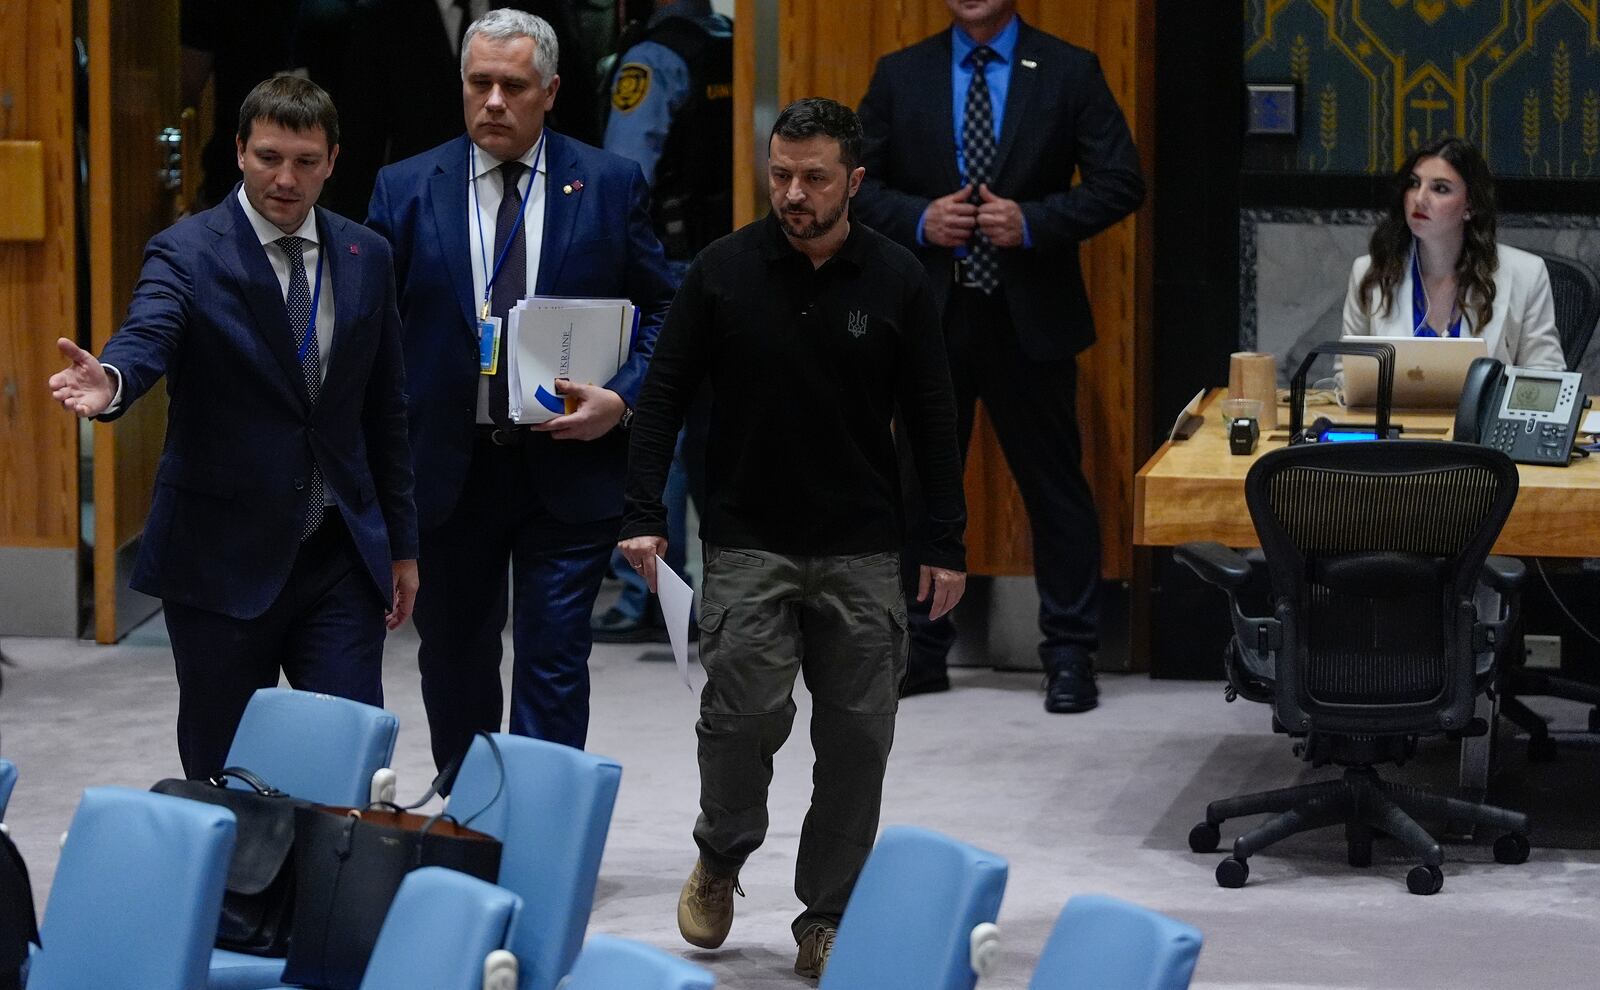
[
  {"x": 242, "y": 434},
  {"x": 597, "y": 242},
  {"x": 1060, "y": 118}
]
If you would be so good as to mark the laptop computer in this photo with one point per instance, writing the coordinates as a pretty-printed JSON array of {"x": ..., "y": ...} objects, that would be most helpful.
[{"x": 1428, "y": 371}]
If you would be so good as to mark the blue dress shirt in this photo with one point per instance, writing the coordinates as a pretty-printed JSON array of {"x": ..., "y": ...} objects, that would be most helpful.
[{"x": 998, "y": 75}]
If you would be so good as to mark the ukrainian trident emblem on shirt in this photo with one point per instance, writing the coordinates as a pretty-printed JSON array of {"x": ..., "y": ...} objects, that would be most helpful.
[{"x": 858, "y": 323}]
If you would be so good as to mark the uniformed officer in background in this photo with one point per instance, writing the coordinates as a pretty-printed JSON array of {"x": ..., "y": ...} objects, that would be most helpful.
[{"x": 671, "y": 110}]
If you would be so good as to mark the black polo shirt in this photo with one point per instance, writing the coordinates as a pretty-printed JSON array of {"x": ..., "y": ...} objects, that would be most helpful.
[{"x": 807, "y": 366}]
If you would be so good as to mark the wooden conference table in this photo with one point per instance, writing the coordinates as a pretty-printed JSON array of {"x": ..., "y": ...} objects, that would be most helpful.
[{"x": 1194, "y": 489}]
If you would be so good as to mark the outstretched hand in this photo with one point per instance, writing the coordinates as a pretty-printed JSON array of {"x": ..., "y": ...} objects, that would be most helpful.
[{"x": 83, "y": 387}]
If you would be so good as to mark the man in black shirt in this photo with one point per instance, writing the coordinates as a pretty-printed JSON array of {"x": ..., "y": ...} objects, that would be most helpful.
[{"x": 811, "y": 331}]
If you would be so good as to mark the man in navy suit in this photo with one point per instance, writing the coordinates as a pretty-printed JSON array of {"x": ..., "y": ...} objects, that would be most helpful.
[
  {"x": 507, "y": 210},
  {"x": 973, "y": 137},
  {"x": 282, "y": 532}
]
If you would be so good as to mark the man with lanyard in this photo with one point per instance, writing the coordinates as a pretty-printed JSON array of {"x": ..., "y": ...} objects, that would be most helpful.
[
  {"x": 508, "y": 210},
  {"x": 671, "y": 111},
  {"x": 282, "y": 525}
]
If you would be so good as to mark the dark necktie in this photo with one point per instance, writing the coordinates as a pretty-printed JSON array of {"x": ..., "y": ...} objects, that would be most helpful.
[
  {"x": 978, "y": 151},
  {"x": 465, "y": 7},
  {"x": 509, "y": 285},
  {"x": 299, "y": 305}
]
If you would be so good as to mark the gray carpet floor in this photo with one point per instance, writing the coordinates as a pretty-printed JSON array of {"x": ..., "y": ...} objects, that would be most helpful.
[{"x": 1095, "y": 802}]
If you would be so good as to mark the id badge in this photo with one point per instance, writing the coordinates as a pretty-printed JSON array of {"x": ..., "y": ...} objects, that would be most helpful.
[{"x": 489, "y": 345}]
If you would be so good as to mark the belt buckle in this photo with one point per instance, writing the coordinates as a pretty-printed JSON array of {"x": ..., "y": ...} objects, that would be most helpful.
[
  {"x": 501, "y": 437},
  {"x": 959, "y": 274}
]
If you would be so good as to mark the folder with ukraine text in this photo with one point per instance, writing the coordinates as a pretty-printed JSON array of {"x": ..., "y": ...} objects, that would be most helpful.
[{"x": 550, "y": 337}]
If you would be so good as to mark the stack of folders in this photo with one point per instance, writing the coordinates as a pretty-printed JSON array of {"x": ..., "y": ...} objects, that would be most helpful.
[{"x": 550, "y": 337}]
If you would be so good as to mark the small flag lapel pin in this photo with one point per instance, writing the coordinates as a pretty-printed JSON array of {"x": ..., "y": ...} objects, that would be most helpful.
[{"x": 355, "y": 249}]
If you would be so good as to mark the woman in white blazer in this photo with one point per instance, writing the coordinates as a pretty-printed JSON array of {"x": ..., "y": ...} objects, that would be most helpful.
[{"x": 1435, "y": 270}]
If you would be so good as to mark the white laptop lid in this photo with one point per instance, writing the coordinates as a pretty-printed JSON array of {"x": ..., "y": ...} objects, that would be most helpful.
[{"x": 1428, "y": 371}]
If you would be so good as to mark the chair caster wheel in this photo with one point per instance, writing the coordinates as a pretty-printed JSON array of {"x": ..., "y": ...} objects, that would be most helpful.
[
  {"x": 1425, "y": 880},
  {"x": 1541, "y": 749},
  {"x": 1511, "y": 849},
  {"x": 1232, "y": 872},
  {"x": 1204, "y": 838}
]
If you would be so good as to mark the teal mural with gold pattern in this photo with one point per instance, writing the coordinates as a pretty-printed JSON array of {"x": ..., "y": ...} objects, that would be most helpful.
[{"x": 1377, "y": 78}]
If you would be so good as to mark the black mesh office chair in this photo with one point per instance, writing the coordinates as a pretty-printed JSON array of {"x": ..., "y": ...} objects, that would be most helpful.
[
  {"x": 1576, "y": 291},
  {"x": 1374, "y": 552}
]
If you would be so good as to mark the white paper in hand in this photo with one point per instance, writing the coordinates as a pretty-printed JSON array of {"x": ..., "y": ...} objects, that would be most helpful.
[{"x": 677, "y": 599}]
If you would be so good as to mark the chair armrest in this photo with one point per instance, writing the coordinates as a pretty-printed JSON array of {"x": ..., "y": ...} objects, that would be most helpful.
[
  {"x": 1214, "y": 563},
  {"x": 984, "y": 951},
  {"x": 500, "y": 971},
  {"x": 1504, "y": 573},
  {"x": 383, "y": 787}
]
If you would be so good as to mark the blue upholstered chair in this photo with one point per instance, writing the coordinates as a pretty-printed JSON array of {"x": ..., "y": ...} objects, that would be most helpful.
[
  {"x": 608, "y": 963},
  {"x": 313, "y": 746},
  {"x": 1101, "y": 943},
  {"x": 552, "y": 815},
  {"x": 910, "y": 921},
  {"x": 8, "y": 780},
  {"x": 136, "y": 894},
  {"x": 440, "y": 931}
]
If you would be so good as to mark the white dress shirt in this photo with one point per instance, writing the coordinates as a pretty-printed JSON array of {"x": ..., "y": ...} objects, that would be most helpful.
[
  {"x": 268, "y": 233},
  {"x": 483, "y": 207}
]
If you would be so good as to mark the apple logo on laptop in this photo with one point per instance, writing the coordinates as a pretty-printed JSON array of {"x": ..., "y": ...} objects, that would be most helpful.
[{"x": 1415, "y": 374}]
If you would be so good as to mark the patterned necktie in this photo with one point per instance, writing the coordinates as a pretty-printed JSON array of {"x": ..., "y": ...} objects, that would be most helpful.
[
  {"x": 978, "y": 151},
  {"x": 299, "y": 304},
  {"x": 509, "y": 285}
]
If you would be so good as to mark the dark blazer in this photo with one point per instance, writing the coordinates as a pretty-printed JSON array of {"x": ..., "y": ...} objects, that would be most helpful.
[
  {"x": 242, "y": 433},
  {"x": 1060, "y": 118},
  {"x": 402, "y": 89},
  {"x": 597, "y": 242}
]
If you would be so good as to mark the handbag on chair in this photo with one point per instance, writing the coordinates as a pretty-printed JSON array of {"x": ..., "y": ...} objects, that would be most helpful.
[
  {"x": 259, "y": 899},
  {"x": 350, "y": 863}
]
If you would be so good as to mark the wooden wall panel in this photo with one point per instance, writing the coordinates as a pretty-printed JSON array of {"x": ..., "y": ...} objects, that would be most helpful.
[
  {"x": 131, "y": 98},
  {"x": 38, "y": 284},
  {"x": 829, "y": 49}
]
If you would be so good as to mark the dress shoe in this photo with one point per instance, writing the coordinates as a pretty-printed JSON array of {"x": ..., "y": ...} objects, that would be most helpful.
[
  {"x": 924, "y": 682},
  {"x": 1070, "y": 687},
  {"x": 616, "y": 626}
]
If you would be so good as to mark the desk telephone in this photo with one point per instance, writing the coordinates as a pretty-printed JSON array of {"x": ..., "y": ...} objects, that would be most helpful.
[{"x": 1530, "y": 414}]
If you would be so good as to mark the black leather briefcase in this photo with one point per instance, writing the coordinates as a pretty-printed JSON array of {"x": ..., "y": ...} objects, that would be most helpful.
[{"x": 258, "y": 905}]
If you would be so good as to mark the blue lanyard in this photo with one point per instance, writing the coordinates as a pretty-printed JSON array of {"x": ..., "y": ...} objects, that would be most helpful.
[
  {"x": 1419, "y": 306},
  {"x": 490, "y": 276},
  {"x": 311, "y": 329}
]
